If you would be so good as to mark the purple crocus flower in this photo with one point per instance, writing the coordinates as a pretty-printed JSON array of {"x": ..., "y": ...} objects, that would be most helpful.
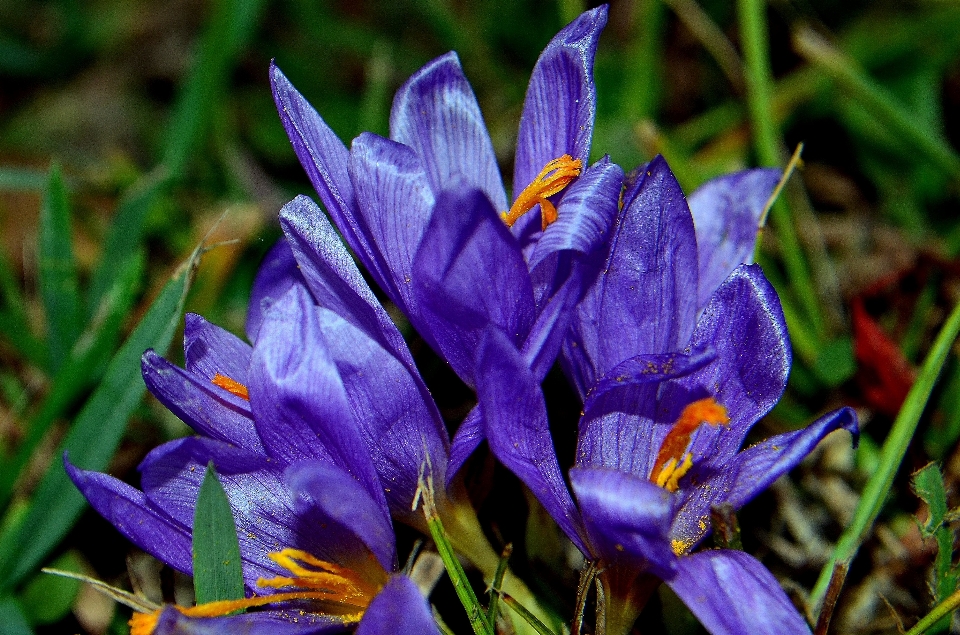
[
  {"x": 279, "y": 422},
  {"x": 426, "y": 213},
  {"x": 677, "y": 349}
]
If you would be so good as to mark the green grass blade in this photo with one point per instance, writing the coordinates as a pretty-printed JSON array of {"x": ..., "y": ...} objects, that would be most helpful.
[
  {"x": 759, "y": 83},
  {"x": 527, "y": 616},
  {"x": 125, "y": 233},
  {"x": 58, "y": 271},
  {"x": 217, "y": 574},
  {"x": 12, "y": 618},
  {"x": 22, "y": 180},
  {"x": 496, "y": 586},
  {"x": 229, "y": 28},
  {"x": 457, "y": 575},
  {"x": 874, "y": 99},
  {"x": 891, "y": 455},
  {"x": 93, "y": 437},
  {"x": 14, "y": 325},
  {"x": 88, "y": 357},
  {"x": 942, "y": 610}
]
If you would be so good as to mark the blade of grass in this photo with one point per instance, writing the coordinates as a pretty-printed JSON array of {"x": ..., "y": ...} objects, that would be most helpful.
[
  {"x": 641, "y": 95},
  {"x": 891, "y": 455},
  {"x": 527, "y": 616},
  {"x": 496, "y": 585},
  {"x": 125, "y": 233},
  {"x": 457, "y": 575},
  {"x": 12, "y": 618},
  {"x": 942, "y": 610},
  {"x": 874, "y": 99},
  {"x": 226, "y": 33},
  {"x": 58, "y": 271},
  {"x": 93, "y": 437},
  {"x": 89, "y": 355},
  {"x": 753, "y": 35},
  {"x": 217, "y": 574},
  {"x": 13, "y": 319},
  {"x": 22, "y": 180}
]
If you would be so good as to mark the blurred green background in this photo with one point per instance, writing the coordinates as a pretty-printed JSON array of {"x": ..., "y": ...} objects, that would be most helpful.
[{"x": 133, "y": 131}]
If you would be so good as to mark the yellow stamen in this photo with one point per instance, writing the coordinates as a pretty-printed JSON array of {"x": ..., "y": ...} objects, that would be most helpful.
[
  {"x": 673, "y": 461},
  {"x": 335, "y": 586},
  {"x": 554, "y": 176},
  {"x": 231, "y": 385}
]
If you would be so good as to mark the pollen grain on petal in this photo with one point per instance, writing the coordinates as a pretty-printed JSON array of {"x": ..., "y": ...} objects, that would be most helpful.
[
  {"x": 231, "y": 385},
  {"x": 554, "y": 176}
]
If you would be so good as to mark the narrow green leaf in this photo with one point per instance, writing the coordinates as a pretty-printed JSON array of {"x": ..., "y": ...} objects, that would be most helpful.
[
  {"x": 527, "y": 616},
  {"x": 457, "y": 575},
  {"x": 229, "y": 28},
  {"x": 80, "y": 371},
  {"x": 12, "y": 618},
  {"x": 14, "y": 324},
  {"x": 874, "y": 99},
  {"x": 496, "y": 586},
  {"x": 92, "y": 438},
  {"x": 942, "y": 610},
  {"x": 928, "y": 485},
  {"x": 126, "y": 231},
  {"x": 47, "y": 599},
  {"x": 22, "y": 180},
  {"x": 768, "y": 146},
  {"x": 58, "y": 271},
  {"x": 891, "y": 455},
  {"x": 217, "y": 573}
]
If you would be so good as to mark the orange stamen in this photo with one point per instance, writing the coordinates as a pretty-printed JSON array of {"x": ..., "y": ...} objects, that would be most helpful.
[
  {"x": 554, "y": 176},
  {"x": 335, "y": 586},
  {"x": 673, "y": 461},
  {"x": 231, "y": 385}
]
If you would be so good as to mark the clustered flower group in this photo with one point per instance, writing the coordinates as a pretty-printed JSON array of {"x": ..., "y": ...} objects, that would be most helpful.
[{"x": 321, "y": 430}]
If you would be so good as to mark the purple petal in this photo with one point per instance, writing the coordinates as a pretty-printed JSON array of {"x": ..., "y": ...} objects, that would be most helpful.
[
  {"x": 208, "y": 409},
  {"x": 323, "y": 156},
  {"x": 560, "y": 104},
  {"x": 399, "y": 609},
  {"x": 135, "y": 517},
  {"x": 267, "y": 517},
  {"x": 726, "y": 213},
  {"x": 517, "y": 430},
  {"x": 469, "y": 273},
  {"x": 751, "y": 472},
  {"x": 293, "y": 622},
  {"x": 395, "y": 202},
  {"x": 396, "y": 415},
  {"x": 585, "y": 213},
  {"x": 209, "y": 349},
  {"x": 745, "y": 324},
  {"x": 627, "y": 519},
  {"x": 436, "y": 113},
  {"x": 644, "y": 301},
  {"x": 297, "y": 397},
  {"x": 624, "y": 421},
  {"x": 333, "y": 277},
  {"x": 277, "y": 273},
  {"x": 340, "y": 497},
  {"x": 468, "y": 437},
  {"x": 731, "y": 593}
]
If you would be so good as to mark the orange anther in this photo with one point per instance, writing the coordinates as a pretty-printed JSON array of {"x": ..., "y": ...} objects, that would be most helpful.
[
  {"x": 554, "y": 176},
  {"x": 673, "y": 461},
  {"x": 231, "y": 385}
]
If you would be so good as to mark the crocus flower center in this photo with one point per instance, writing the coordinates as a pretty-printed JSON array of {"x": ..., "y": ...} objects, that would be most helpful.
[
  {"x": 554, "y": 176},
  {"x": 673, "y": 460},
  {"x": 343, "y": 592},
  {"x": 231, "y": 385}
]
